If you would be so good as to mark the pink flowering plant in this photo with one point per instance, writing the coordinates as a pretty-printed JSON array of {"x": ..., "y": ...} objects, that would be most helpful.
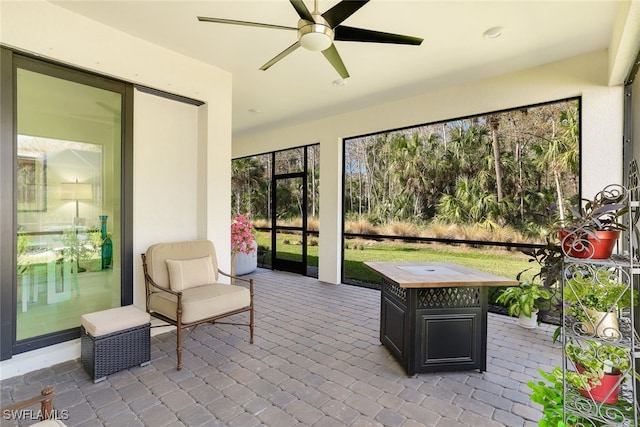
[{"x": 242, "y": 235}]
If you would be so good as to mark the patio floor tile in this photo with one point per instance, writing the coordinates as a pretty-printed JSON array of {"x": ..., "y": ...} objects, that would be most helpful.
[{"x": 316, "y": 360}]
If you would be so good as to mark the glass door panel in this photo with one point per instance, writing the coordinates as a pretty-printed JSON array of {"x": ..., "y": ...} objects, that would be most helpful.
[
  {"x": 68, "y": 202},
  {"x": 313, "y": 209},
  {"x": 289, "y": 244},
  {"x": 289, "y": 161}
]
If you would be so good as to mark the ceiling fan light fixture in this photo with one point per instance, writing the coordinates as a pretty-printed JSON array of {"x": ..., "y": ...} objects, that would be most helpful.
[
  {"x": 315, "y": 41},
  {"x": 315, "y": 37}
]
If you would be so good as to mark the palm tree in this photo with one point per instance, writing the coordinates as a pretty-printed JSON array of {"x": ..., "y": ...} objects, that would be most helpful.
[
  {"x": 411, "y": 172},
  {"x": 494, "y": 123},
  {"x": 560, "y": 154},
  {"x": 470, "y": 204}
]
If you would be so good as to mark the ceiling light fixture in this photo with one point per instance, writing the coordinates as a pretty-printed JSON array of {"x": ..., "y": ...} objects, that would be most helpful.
[
  {"x": 492, "y": 33},
  {"x": 339, "y": 82}
]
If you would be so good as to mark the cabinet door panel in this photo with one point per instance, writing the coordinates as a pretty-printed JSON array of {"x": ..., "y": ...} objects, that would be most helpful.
[
  {"x": 393, "y": 328},
  {"x": 451, "y": 338}
]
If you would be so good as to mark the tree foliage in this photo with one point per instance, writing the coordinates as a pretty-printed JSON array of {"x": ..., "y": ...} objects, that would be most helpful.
[
  {"x": 251, "y": 183},
  {"x": 510, "y": 168}
]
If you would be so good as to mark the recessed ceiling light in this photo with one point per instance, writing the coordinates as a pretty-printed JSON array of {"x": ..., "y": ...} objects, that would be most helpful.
[
  {"x": 339, "y": 82},
  {"x": 254, "y": 111},
  {"x": 492, "y": 33}
]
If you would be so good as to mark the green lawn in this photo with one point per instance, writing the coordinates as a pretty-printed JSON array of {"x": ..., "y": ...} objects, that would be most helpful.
[
  {"x": 503, "y": 262},
  {"x": 500, "y": 261}
]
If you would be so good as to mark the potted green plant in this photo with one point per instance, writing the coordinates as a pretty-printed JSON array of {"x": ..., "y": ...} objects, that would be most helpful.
[
  {"x": 522, "y": 301},
  {"x": 90, "y": 251},
  {"x": 600, "y": 369},
  {"x": 549, "y": 393},
  {"x": 594, "y": 227},
  {"x": 549, "y": 258},
  {"x": 593, "y": 296}
]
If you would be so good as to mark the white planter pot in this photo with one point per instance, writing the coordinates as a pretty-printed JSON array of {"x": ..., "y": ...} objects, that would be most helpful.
[
  {"x": 246, "y": 263},
  {"x": 606, "y": 324},
  {"x": 529, "y": 322}
]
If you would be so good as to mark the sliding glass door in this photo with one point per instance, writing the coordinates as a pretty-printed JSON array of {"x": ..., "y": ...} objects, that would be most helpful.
[
  {"x": 68, "y": 176},
  {"x": 68, "y": 204}
]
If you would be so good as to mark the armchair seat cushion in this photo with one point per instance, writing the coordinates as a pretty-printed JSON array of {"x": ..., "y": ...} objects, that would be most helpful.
[{"x": 201, "y": 302}]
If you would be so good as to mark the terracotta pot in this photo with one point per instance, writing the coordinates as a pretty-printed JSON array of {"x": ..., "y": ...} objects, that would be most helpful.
[
  {"x": 588, "y": 246},
  {"x": 608, "y": 390}
]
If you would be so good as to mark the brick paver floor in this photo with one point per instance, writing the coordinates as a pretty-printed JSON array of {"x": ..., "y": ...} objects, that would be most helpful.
[{"x": 316, "y": 361}]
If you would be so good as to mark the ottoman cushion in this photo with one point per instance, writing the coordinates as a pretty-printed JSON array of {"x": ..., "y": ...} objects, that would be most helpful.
[{"x": 112, "y": 320}]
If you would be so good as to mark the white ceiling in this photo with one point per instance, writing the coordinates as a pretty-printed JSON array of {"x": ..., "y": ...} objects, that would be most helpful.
[{"x": 299, "y": 87}]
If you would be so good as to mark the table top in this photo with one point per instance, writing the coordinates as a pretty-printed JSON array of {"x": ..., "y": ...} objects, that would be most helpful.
[{"x": 436, "y": 275}]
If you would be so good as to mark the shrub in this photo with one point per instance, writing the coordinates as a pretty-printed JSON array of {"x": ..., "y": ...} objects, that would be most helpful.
[
  {"x": 474, "y": 232},
  {"x": 361, "y": 226},
  {"x": 404, "y": 229},
  {"x": 436, "y": 230},
  {"x": 261, "y": 223},
  {"x": 313, "y": 224}
]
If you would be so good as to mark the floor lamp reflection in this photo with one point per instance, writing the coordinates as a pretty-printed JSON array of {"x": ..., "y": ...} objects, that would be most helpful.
[{"x": 77, "y": 191}]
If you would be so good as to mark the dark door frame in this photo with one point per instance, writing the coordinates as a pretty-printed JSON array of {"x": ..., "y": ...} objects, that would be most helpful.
[{"x": 299, "y": 267}]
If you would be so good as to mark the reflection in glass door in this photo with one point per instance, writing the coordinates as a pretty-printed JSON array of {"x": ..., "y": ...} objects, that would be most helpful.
[{"x": 68, "y": 180}]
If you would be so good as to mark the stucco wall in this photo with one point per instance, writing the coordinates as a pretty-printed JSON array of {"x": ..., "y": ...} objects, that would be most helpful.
[{"x": 586, "y": 76}]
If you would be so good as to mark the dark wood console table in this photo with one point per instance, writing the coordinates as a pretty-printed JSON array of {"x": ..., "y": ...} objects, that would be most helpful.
[{"x": 433, "y": 316}]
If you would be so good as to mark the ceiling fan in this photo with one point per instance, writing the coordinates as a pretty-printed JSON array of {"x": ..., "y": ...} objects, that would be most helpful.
[{"x": 317, "y": 31}]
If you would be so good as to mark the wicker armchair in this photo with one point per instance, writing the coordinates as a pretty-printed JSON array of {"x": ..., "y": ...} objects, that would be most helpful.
[
  {"x": 46, "y": 413},
  {"x": 182, "y": 288}
]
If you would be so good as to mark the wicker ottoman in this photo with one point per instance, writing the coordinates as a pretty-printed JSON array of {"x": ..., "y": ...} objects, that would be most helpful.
[{"x": 113, "y": 340}]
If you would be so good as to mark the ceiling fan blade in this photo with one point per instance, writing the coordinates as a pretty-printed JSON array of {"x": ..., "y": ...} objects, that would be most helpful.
[
  {"x": 246, "y": 23},
  {"x": 281, "y": 55},
  {"x": 342, "y": 11},
  {"x": 302, "y": 10},
  {"x": 351, "y": 34},
  {"x": 332, "y": 55}
]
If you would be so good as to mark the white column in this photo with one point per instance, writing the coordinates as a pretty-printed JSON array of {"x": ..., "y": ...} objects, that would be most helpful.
[{"x": 330, "y": 252}]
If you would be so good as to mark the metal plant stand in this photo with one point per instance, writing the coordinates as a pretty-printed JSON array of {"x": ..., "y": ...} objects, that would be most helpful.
[{"x": 603, "y": 338}]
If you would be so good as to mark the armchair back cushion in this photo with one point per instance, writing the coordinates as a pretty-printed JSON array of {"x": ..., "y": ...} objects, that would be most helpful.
[
  {"x": 185, "y": 274},
  {"x": 158, "y": 254}
]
